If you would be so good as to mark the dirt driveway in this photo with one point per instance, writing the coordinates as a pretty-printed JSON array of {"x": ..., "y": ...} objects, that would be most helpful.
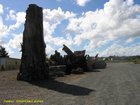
[{"x": 118, "y": 84}]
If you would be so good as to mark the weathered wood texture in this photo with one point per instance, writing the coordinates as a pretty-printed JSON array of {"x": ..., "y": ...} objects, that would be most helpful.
[
  {"x": 33, "y": 64},
  {"x": 75, "y": 60}
]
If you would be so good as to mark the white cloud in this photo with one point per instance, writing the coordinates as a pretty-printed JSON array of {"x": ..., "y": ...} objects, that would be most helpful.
[
  {"x": 119, "y": 50},
  {"x": 19, "y": 17},
  {"x": 11, "y": 15},
  {"x": 49, "y": 49},
  {"x": 53, "y": 42},
  {"x": 117, "y": 19},
  {"x": 82, "y": 2},
  {"x": 1, "y": 9},
  {"x": 14, "y": 44},
  {"x": 3, "y": 28},
  {"x": 129, "y": 40},
  {"x": 54, "y": 17},
  {"x": 6, "y": 30},
  {"x": 51, "y": 19},
  {"x": 130, "y": 2}
]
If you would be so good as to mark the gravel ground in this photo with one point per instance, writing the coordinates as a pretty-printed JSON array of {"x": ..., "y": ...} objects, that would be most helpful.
[{"x": 118, "y": 84}]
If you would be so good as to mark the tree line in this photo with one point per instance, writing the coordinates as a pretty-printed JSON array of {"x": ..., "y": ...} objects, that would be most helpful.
[{"x": 3, "y": 52}]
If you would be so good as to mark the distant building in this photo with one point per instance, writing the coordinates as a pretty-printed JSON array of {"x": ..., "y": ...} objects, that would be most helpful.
[{"x": 9, "y": 63}]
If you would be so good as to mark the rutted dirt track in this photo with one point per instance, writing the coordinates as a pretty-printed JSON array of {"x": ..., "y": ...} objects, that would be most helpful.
[{"x": 118, "y": 84}]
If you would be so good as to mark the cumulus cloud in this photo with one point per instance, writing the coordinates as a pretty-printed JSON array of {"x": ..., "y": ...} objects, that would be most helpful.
[
  {"x": 3, "y": 28},
  {"x": 116, "y": 20},
  {"x": 51, "y": 19},
  {"x": 54, "y": 17},
  {"x": 1, "y": 8},
  {"x": 14, "y": 44},
  {"x": 82, "y": 2},
  {"x": 7, "y": 30},
  {"x": 11, "y": 15},
  {"x": 120, "y": 50},
  {"x": 19, "y": 17},
  {"x": 129, "y": 40}
]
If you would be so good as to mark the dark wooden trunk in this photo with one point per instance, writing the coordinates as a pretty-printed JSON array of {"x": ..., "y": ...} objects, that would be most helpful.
[
  {"x": 75, "y": 60},
  {"x": 33, "y": 65}
]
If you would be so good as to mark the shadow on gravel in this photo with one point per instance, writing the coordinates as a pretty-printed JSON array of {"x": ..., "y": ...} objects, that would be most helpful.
[
  {"x": 95, "y": 70},
  {"x": 63, "y": 87}
]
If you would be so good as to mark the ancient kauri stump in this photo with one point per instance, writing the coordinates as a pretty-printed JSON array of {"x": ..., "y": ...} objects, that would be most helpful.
[{"x": 33, "y": 65}]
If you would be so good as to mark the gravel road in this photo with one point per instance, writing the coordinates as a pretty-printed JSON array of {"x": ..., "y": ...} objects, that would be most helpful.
[{"x": 118, "y": 84}]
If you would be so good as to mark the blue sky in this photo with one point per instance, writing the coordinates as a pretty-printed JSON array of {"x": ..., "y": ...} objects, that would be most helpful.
[
  {"x": 66, "y": 5},
  {"x": 107, "y": 27}
]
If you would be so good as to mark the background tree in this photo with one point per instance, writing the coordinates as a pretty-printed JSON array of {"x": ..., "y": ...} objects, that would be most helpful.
[{"x": 3, "y": 52}]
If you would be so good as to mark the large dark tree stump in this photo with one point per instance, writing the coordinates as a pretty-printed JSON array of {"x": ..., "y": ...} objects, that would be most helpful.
[{"x": 33, "y": 65}]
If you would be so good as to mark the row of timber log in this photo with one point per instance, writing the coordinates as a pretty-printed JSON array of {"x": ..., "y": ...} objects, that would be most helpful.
[{"x": 74, "y": 62}]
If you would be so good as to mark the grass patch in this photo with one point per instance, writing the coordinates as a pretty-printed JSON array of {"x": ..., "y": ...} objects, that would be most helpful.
[{"x": 137, "y": 61}]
